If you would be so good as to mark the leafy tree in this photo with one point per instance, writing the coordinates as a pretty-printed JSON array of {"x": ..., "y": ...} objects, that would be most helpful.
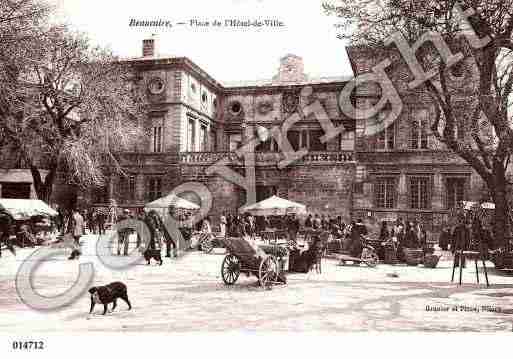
[
  {"x": 486, "y": 115},
  {"x": 65, "y": 106}
]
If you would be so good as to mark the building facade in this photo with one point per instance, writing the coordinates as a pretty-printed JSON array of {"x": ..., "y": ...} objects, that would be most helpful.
[{"x": 194, "y": 121}]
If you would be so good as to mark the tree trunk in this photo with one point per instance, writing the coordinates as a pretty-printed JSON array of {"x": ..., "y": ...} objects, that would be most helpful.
[
  {"x": 501, "y": 219},
  {"x": 43, "y": 188}
]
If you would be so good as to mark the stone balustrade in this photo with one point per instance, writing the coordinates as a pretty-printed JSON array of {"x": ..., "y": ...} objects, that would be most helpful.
[{"x": 265, "y": 158}]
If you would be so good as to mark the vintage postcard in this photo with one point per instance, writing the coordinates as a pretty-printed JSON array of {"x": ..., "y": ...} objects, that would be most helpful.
[{"x": 254, "y": 166}]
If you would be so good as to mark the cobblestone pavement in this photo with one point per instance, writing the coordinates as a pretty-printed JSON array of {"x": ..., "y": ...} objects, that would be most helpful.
[{"x": 187, "y": 294}]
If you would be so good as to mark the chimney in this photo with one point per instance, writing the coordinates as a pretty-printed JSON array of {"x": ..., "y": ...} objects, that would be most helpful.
[{"x": 148, "y": 48}]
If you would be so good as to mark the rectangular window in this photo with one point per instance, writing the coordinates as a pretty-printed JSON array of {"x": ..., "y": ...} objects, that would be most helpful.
[
  {"x": 315, "y": 141},
  {"x": 304, "y": 139},
  {"x": 157, "y": 138},
  {"x": 294, "y": 138},
  {"x": 131, "y": 188},
  {"x": 419, "y": 129},
  {"x": 455, "y": 191},
  {"x": 155, "y": 188},
  {"x": 384, "y": 192},
  {"x": 213, "y": 141},
  {"x": 235, "y": 142},
  {"x": 203, "y": 138},
  {"x": 191, "y": 135},
  {"x": 358, "y": 187},
  {"x": 386, "y": 138},
  {"x": 347, "y": 141},
  {"x": 419, "y": 193},
  {"x": 100, "y": 194}
]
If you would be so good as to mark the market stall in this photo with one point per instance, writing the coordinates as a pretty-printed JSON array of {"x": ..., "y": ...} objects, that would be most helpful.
[
  {"x": 272, "y": 207},
  {"x": 276, "y": 206},
  {"x": 24, "y": 209},
  {"x": 32, "y": 219},
  {"x": 170, "y": 204}
]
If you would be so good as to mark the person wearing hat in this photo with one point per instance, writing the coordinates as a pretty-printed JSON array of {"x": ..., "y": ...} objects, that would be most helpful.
[
  {"x": 78, "y": 225},
  {"x": 123, "y": 233},
  {"x": 222, "y": 225},
  {"x": 292, "y": 228}
]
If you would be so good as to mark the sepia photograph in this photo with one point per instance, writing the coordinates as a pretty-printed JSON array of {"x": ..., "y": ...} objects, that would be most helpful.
[{"x": 315, "y": 169}]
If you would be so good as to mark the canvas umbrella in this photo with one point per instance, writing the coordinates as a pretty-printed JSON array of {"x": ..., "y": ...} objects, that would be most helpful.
[
  {"x": 274, "y": 206},
  {"x": 171, "y": 200}
]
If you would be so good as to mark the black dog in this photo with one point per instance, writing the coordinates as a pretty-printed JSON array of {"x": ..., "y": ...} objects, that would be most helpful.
[
  {"x": 152, "y": 253},
  {"x": 109, "y": 294}
]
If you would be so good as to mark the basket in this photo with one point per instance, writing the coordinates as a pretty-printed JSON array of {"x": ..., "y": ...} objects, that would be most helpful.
[{"x": 431, "y": 260}]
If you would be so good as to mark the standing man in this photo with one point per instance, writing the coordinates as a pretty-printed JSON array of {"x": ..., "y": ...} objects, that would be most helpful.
[
  {"x": 91, "y": 216},
  {"x": 78, "y": 226},
  {"x": 308, "y": 222},
  {"x": 444, "y": 239},
  {"x": 123, "y": 233},
  {"x": 100, "y": 218},
  {"x": 317, "y": 224},
  {"x": 222, "y": 224},
  {"x": 361, "y": 227},
  {"x": 60, "y": 221},
  {"x": 293, "y": 228}
]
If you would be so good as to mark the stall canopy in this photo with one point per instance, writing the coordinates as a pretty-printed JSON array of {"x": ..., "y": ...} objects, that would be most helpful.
[
  {"x": 171, "y": 200},
  {"x": 25, "y": 208},
  {"x": 274, "y": 206}
]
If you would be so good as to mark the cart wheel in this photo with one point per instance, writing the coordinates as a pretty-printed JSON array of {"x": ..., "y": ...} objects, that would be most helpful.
[
  {"x": 230, "y": 269},
  {"x": 268, "y": 272},
  {"x": 371, "y": 259},
  {"x": 207, "y": 246}
]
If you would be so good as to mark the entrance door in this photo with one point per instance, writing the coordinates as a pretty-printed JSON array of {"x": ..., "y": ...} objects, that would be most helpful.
[{"x": 264, "y": 192}]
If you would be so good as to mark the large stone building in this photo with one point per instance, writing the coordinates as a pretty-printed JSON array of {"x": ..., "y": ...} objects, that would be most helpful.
[{"x": 195, "y": 120}]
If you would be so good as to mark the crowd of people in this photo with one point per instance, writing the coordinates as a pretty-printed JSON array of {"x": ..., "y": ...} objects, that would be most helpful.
[{"x": 399, "y": 234}]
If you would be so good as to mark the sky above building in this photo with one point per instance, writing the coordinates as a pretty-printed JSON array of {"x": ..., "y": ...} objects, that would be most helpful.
[{"x": 228, "y": 53}]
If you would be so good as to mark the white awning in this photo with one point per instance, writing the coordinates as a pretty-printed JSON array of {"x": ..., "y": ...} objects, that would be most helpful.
[{"x": 26, "y": 208}]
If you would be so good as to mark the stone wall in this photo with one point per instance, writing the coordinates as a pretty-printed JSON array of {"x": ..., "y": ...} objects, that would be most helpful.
[{"x": 325, "y": 189}]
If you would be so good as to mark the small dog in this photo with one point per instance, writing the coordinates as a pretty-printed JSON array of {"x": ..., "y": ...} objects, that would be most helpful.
[
  {"x": 108, "y": 294},
  {"x": 152, "y": 253}
]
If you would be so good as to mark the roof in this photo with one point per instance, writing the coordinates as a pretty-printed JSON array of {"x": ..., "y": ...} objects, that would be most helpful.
[
  {"x": 272, "y": 82},
  {"x": 161, "y": 59}
]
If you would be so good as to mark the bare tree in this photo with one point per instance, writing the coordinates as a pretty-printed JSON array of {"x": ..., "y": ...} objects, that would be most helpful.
[
  {"x": 490, "y": 141},
  {"x": 67, "y": 108}
]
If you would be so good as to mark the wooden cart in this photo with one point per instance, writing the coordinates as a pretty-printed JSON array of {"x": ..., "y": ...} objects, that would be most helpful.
[{"x": 242, "y": 257}]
